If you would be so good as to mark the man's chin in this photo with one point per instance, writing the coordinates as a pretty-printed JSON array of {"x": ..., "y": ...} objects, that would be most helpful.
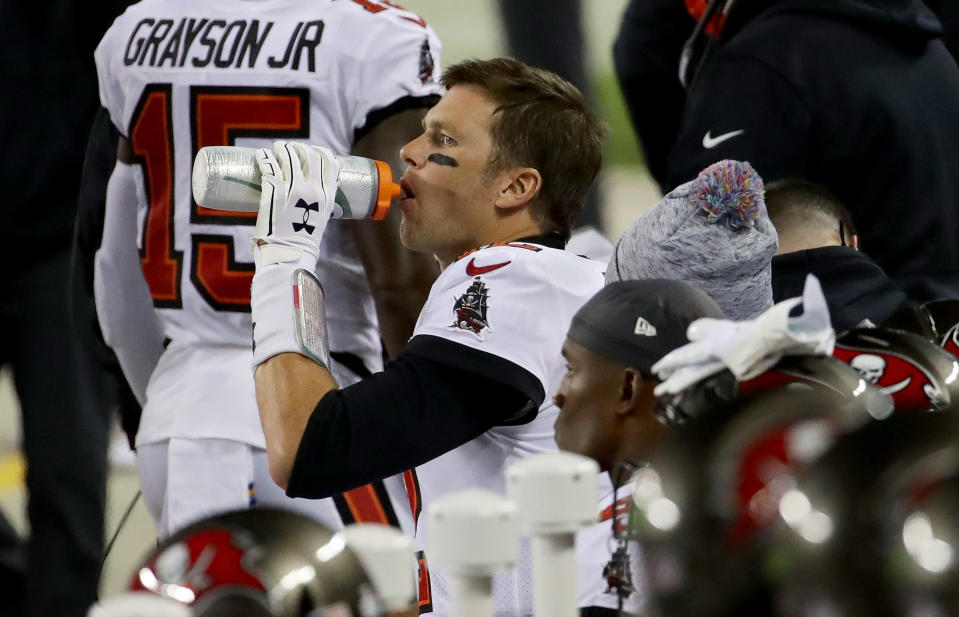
[
  {"x": 409, "y": 239},
  {"x": 406, "y": 236},
  {"x": 571, "y": 445},
  {"x": 415, "y": 240}
]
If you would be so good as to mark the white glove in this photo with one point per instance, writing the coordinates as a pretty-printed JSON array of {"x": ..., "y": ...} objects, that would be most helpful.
[
  {"x": 748, "y": 348},
  {"x": 299, "y": 185}
]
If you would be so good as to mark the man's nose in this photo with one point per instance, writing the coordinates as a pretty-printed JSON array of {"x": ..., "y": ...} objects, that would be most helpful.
[{"x": 412, "y": 153}]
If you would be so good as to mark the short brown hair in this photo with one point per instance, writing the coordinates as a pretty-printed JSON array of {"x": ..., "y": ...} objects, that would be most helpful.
[
  {"x": 541, "y": 121},
  {"x": 796, "y": 204}
]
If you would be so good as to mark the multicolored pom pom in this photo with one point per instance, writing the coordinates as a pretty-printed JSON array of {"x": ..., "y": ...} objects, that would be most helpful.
[{"x": 731, "y": 193}]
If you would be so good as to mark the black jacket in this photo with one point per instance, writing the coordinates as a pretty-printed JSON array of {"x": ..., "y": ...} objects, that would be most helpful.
[
  {"x": 861, "y": 96},
  {"x": 854, "y": 286},
  {"x": 49, "y": 101},
  {"x": 646, "y": 56},
  {"x": 948, "y": 13}
]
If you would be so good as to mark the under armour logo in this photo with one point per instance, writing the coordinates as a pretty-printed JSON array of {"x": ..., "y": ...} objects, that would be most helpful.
[{"x": 307, "y": 208}]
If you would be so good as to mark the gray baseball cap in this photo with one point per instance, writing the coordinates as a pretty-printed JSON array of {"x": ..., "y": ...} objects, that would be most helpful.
[{"x": 635, "y": 323}]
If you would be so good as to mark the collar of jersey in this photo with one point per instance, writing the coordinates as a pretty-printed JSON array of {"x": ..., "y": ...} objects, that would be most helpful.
[{"x": 551, "y": 240}]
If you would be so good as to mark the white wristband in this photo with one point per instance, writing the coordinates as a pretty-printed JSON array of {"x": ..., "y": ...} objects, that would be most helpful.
[{"x": 288, "y": 316}]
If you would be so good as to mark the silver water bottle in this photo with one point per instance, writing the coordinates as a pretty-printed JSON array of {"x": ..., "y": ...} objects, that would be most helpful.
[{"x": 228, "y": 178}]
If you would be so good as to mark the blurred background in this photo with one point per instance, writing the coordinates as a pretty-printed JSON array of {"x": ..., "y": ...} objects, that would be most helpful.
[{"x": 468, "y": 28}]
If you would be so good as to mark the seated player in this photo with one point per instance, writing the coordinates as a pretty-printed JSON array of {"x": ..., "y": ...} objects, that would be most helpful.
[
  {"x": 613, "y": 411},
  {"x": 493, "y": 184},
  {"x": 607, "y": 408},
  {"x": 818, "y": 236}
]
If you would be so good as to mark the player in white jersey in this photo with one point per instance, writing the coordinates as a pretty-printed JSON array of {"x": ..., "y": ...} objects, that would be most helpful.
[
  {"x": 504, "y": 162},
  {"x": 608, "y": 565},
  {"x": 509, "y": 301},
  {"x": 177, "y": 75},
  {"x": 608, "y": 413}
]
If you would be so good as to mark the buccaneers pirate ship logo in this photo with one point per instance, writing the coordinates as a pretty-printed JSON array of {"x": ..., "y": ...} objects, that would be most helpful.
[
  {"x": 470, "y": 309},
  {"x": 426, "y": 63}
]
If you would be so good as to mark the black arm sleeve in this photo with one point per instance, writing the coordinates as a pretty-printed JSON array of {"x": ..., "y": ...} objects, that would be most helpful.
[
  {"x": 88, "y": 232},
  {"x": 98, "y": 164},
  {"x": 415, "y": 410}
]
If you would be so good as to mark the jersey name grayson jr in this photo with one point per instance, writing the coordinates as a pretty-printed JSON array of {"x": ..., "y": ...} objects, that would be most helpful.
[{"x": 205, "y": 42}]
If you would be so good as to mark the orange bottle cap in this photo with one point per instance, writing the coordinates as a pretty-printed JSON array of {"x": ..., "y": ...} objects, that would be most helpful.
[{"x": 388, "y": 191}]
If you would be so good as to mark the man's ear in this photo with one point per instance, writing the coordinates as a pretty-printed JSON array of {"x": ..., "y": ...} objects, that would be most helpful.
[
  {"x": 520, "y": 186},
  {"x": 630, "y": 392},
  {"x": 854, "y": 241}
]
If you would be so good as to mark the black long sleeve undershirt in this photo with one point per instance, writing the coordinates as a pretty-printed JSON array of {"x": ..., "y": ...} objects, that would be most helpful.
[{"x": 435, "y": 396}]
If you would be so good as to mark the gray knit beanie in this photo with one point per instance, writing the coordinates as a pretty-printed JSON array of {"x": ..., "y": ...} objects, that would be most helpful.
[{"x": 714, "y": 233}]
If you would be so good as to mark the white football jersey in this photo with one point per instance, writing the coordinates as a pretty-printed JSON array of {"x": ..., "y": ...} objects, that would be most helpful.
[
  {"x": 594, "y": 549},
  {"x": 516, "y": 301},
  {"x": 178, "y": 75}
]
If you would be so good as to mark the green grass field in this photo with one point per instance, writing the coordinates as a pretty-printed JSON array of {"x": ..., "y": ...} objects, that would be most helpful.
[{"x": 622, "y": 149}]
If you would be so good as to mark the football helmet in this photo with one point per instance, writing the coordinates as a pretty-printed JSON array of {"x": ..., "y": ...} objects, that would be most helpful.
[
  {"x": 702, "y": 505},
  {"x": 920, "y": 533},
  {"x": 256, "y": 563},
  {"x": 870, "y": 527},
  {"x": 913, "y": 318},
  {"x": 792, "y": 371},
  {"x": 915, "y": 372},
  {"x": 944, "y": 315}
]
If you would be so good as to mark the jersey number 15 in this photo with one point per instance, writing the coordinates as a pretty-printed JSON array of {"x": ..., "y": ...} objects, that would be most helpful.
[{"x": 218, "y": 116}]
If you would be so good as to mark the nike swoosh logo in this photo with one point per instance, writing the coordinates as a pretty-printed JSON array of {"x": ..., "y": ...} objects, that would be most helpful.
[
  {"x": 711, "y": 142},
  {"x": 473, "y": 270}
]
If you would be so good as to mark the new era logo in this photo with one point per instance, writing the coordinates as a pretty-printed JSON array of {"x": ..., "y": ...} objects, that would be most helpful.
[{"x": 644, "y": 328}]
